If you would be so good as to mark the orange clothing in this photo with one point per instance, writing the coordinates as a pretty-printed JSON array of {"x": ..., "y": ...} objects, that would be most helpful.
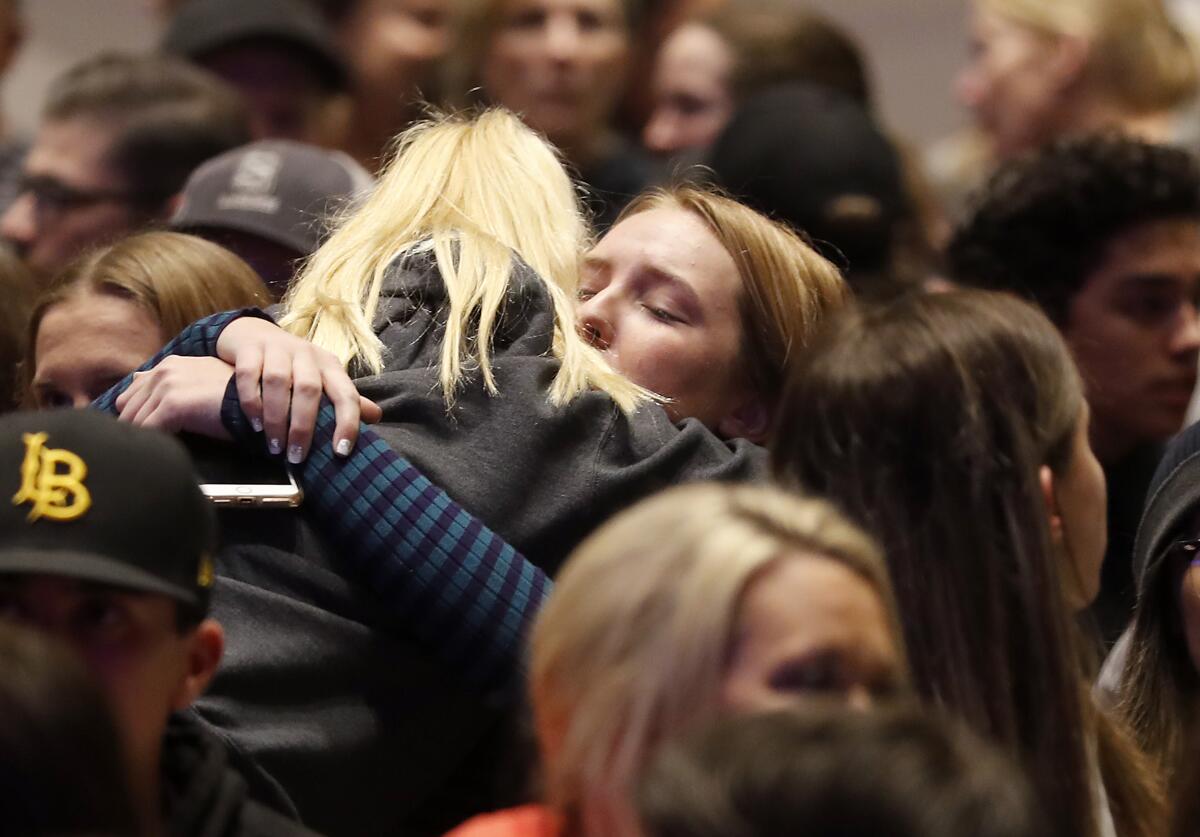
[{"x": 525, "y": 821}]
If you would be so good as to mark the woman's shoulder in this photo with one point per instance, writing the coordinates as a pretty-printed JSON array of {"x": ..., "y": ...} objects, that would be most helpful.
[{"x": 525, "y": 821}]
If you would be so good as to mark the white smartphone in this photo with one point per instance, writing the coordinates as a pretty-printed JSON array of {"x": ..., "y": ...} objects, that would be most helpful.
[{"x": 230, "y": 478}]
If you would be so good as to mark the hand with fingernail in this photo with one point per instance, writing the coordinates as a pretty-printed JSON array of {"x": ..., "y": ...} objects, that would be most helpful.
[{"x": 281, "y": 379}]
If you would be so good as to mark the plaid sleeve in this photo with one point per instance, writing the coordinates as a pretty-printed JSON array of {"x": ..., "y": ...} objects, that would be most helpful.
[
  {"x": 197, "y": 340},
  {"x": 460, "y": 587}
]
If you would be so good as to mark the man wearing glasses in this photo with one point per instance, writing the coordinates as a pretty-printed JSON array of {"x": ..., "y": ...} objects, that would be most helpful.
[{"x": 118, "y": 138}]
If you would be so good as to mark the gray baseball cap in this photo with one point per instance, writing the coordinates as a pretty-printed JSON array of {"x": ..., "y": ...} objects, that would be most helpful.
[{"x": 283, "y": 191}]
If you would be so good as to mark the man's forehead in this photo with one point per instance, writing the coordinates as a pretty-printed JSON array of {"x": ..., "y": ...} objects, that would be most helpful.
[
  {"x": 74, "y": 150},
  {"x": 1168, "y": 247}
]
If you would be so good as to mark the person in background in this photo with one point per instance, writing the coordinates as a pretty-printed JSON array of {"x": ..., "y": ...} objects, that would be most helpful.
[
  {"x": 758, "y": 600},
  {"x": 107, "y": 545},
  {"x": 62, "y": 772},
  {"x": 119, "y": 135},
  {"x": 893, "y": 772},
  {"x": 20, "y": 290},
  {"x": 814, "y": 159},
  {"x": 278, "y": 54},
  {"x": 112, "y": 309},
  {"x": 1039, "y": 72},
  {"x": 272, "y": 203},
  {"x": 710, "y": 63},
  {"x": 393, "y": 50},
  {"x": 1103, "y": 234},
  {"x": 953, "y": 428},
  {"x": 1152, "y": 677},
  {"x": 12, "y": 148},
  {"x": 561, "y": 65}
]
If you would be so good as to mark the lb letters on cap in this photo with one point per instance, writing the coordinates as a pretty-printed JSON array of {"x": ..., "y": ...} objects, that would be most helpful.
[{"x": 52, "y": 482}]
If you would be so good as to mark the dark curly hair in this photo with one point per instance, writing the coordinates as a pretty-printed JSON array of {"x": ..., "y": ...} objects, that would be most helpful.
[{"x": 1040, "y": 225}]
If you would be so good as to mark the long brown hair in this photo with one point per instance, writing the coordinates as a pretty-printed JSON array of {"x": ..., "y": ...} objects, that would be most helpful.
[
  {"x": 928, "y": 420},
  {"x": 1160, "y": 688}
]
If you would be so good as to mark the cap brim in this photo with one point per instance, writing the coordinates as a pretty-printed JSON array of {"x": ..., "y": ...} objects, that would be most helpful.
[{"x": 90, "y": 567}]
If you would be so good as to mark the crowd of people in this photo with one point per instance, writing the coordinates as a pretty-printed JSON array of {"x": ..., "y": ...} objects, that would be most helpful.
[{"x": 588, "y": 417}]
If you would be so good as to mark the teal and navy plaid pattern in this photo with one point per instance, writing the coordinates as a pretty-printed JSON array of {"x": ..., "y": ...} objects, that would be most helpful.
[{"x": 460, "y": 587}]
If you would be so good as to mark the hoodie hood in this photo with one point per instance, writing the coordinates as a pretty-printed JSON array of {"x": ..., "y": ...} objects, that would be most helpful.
[
  {"x": 413, "y": 303},
  {"x": 1173, "y": 495},
  {"x": 202, "y": 797}
]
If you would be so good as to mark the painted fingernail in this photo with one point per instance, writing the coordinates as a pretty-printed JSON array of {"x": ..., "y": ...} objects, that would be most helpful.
[
  {"x": 295, "y": 454},
  {"x": 343, "y": 447},
  {"x": 256, "y": 423},
  {"x": 274, "y": 446}
]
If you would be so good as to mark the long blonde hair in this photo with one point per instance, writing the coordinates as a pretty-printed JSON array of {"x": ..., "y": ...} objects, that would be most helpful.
[
  {"x": 1137, "y": 52},
  {"x": 479, "y": 193},
  {"x": 788, "y": 289},
  {"x": 635, "y": 642}
]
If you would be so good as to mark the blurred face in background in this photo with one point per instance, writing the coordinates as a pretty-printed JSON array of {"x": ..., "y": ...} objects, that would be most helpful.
[
  {"x": 88, "y": 342},
  {"x": 393, "y": 46},
  {"x": 560, "y": 64},
  {"x": 1134, "y": 332},
  {"x": 692, "y": 97},
  {"x": 286, "y": 97},
  {"x": 1011, "y": 82},
  {"x": 810, "y": 627},
  {"x": 70, "y": 198}
]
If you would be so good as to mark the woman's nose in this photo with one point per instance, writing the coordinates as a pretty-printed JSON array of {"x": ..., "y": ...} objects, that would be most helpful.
[{"x": 594, "y": 326}]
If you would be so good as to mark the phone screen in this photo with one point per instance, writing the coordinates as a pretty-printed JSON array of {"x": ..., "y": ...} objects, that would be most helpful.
[
  {"x": 223, "y": 463},
  {"x": 231, "y": 477}
]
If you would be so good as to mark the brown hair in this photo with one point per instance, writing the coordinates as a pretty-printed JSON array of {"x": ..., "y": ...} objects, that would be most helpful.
[
  {"x": 177, "y": 278},
  {"x": 776, "y": 42},
  {"x": 20, "y": 291},
  {"x": 788, "y": 288},
  {"x": 928, "y": 421},
  {"x": 1159, "y": 694}
]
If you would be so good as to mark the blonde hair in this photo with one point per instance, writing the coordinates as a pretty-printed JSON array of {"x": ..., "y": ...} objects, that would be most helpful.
[
  {"x": 634, "y": 643},
  {"x": 1137, "y": 52},
  {"x": 788, "y": 288},
  {"x": 177, "y": 278},
  {"x": 479, "y": 193}
]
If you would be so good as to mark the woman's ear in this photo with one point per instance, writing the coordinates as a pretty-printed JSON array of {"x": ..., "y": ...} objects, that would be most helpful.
[
  {"x": 205, "y": 646},
  {"x": 751, "y": 420},
  {"x": 1046, "y": 479}
]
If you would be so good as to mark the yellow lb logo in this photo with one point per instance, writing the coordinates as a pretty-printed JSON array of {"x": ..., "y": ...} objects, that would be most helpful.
[
  {"x": 52, "y": 481},
  {"x": 204, "y": 578}
]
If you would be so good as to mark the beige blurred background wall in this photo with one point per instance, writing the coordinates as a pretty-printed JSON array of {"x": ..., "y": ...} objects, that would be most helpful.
[{"x": 915, "y": 47}]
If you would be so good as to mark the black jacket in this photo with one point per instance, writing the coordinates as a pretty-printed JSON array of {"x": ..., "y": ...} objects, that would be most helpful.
[{"x": 203, "y": 797}]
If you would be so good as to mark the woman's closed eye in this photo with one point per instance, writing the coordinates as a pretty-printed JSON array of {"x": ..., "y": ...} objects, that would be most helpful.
[
  {"x": 662, "y": 314},
  {"x": 816, "y": 673}
]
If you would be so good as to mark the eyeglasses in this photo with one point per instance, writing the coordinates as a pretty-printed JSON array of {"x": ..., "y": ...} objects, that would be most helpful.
[{"x": 52, "y": 197}]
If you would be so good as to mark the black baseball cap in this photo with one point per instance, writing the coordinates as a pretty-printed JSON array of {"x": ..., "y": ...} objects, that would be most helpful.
[
  {"x": 85, "y": 496},
  {"x": 204, "y": 26},
  {"x": 814, "y": 158}
]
